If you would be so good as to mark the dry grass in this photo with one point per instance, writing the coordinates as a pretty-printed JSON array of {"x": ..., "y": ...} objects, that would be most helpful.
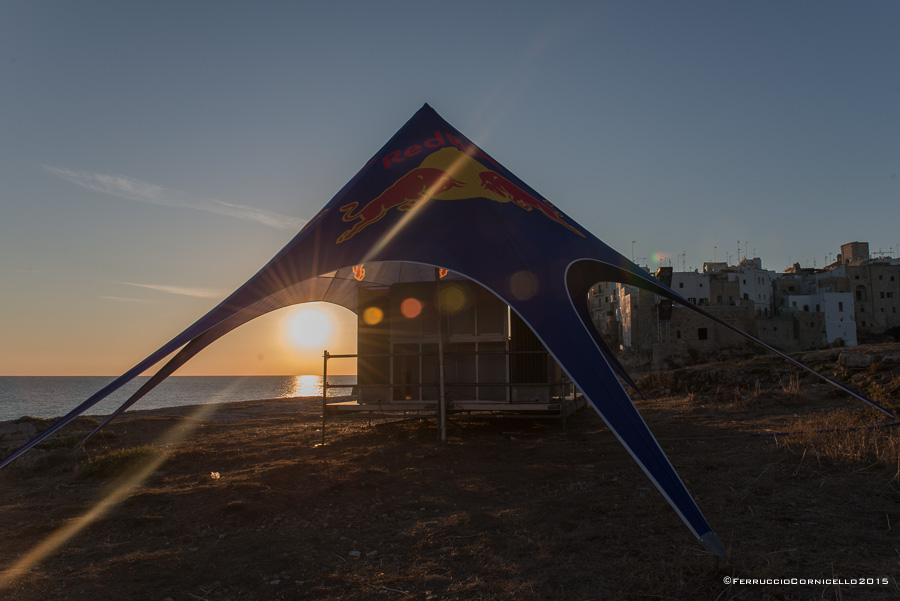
[
  {"x": 848, "y": 435},
  {"x": 506, "y": 510},
  {"x": 118, "y": 461}
]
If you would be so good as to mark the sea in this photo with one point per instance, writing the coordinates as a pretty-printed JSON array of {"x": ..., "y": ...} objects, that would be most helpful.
[{"x": 53, "y": 396}]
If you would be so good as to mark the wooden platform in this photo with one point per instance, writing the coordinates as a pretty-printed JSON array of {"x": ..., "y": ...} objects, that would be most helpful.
[{"x": 556, "y": 408}]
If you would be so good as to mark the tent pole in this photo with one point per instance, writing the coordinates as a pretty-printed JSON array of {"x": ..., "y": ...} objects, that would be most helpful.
[
  {"x": 324, "y": 391},
  {"x": 442, "y": 398}
]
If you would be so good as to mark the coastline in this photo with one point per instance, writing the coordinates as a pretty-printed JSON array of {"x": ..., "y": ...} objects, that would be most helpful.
[{"x": 51, "y": 396}]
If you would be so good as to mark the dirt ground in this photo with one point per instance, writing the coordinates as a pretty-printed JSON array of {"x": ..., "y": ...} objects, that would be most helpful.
[{"x": 240, "y": 501}]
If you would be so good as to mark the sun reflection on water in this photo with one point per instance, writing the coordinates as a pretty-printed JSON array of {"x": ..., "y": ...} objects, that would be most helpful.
[{"x": 307, "y": 386}]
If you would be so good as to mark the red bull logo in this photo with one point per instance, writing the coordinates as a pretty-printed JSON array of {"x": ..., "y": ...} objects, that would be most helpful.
[
  {"x": 447, "y": 174},
  {"x": 414, "y": 187},
  {"x": 359, "y": 272},
  {"x": 500, "y": 185}
]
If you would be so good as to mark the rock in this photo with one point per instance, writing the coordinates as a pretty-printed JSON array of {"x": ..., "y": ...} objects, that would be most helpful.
[{"x": 854, "y": 360}]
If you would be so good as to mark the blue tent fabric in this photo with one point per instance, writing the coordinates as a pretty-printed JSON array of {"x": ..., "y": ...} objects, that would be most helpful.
[{"x": 431, "y": 198}]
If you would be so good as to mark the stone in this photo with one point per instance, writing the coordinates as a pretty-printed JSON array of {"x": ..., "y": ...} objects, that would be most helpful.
[{"x": 854, "y": 360}]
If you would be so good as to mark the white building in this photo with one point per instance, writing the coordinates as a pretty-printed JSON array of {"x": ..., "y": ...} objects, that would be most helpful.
[
  {"x": 755, "y": 284},
  {"x": 692, "y": 286},
  {"x": 840, "y": 321}
]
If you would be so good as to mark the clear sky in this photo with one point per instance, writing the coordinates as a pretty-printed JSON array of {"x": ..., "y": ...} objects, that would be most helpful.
[{"x": 154, "y": 155}]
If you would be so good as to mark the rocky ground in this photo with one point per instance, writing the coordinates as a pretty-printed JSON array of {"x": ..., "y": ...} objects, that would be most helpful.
[{"x": 242, "y": 502}]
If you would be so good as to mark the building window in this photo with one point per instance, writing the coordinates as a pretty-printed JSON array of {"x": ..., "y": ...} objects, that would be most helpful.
[
  {"x": 790, "y": 288},
  {"x": 746, "y": 296},
  {"x": 864, "y": 324},
  {"x": 678, "y": 334},
  {"x": 818, "y": 309},
  {"x": 856, "y": 277},
  {"x": 794, "y": 304},
  {"x": 701, "y": 334},
  {"x": 890, "y": 295},
  {"x": 882, "y": 295},
  {"x": 892, "y": 278},
  {"x": 681, "y": 284},
  {"x": 880, "y": 277},
  {"x": 745, "y": 282},
  {"x": 840, "y": 306},
  {"x": 806, "y": 308}
]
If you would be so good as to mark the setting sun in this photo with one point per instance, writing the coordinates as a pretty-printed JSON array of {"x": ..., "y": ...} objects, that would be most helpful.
[{"x": 309, "y": 327}]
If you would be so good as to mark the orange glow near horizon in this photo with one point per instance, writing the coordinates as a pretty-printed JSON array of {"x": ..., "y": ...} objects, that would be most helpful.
[{"x": 286, "y": 342}]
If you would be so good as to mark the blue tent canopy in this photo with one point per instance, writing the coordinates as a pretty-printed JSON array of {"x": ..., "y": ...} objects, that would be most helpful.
[{"x": 430, "y": 198}]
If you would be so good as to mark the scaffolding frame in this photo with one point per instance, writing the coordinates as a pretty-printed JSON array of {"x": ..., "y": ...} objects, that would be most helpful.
[{"x": 559, "y": 406}]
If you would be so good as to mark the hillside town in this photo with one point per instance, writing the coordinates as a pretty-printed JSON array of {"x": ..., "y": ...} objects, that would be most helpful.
[{"x": 852, "y": 301}]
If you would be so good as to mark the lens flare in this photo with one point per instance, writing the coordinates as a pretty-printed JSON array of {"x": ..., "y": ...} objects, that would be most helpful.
[
  {"x": 411, "y": 308},
  {"x": 373, "y": 316},
  {"x": 120, "y": 491},
  {"x": 453, "y": 298},
  {"x": 523, "y": 285}
]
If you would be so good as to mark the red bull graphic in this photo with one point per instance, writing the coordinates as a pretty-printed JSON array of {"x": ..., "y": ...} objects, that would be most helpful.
[
  {"x": 442, "y": 272},
  {"x": 500, "y": 185},
  {"x": 359, "y": 272},
  {"x": 417, "y": 185},
  {"x": 447, "y": 174}
]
